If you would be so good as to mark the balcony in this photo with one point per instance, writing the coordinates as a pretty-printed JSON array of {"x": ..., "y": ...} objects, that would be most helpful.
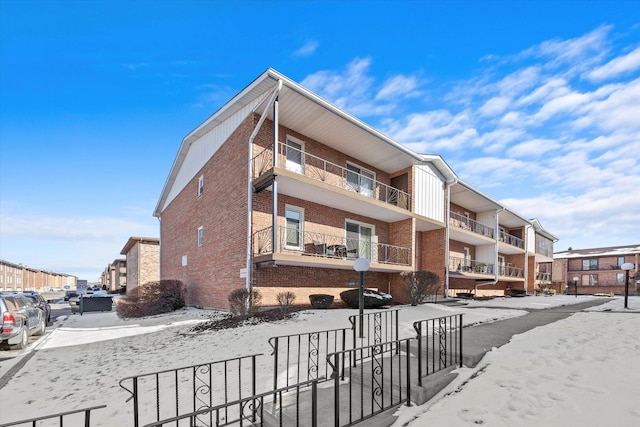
[
  {"x": 510, "y": 271},
  {"x": 326, "y": 248},
  {"x": 511, "y": 240},
  {"x": 318, "y": 169},
  {"x": 458, "y": 221},
  {"x": 462, "y": 265},
  {"x": 543, "y": 277}
]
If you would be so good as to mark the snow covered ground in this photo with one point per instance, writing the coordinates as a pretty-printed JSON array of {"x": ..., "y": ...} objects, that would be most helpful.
[{"x": 580, "y": 371}]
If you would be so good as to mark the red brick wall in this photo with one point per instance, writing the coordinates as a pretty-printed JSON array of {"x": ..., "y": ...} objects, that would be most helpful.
[
  {"x": 303, "y": 281},
  {"x": 213, "y": 269}
]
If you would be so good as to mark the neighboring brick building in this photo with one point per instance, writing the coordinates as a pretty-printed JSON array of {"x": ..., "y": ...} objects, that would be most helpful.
[
  {"x": 114, "y": 276},
  {"x": 598, "y": 269},
  {"x": 19, "y": 277},
  {"x": 143, "y": 261},
  {"x": 281, "y": 190}
]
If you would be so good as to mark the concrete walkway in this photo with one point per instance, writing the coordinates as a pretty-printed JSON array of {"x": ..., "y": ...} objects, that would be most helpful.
[{"x": 478, "y": 340}]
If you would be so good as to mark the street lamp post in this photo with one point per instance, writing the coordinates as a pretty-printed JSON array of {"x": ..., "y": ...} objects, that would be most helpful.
[
  {"x": 361, "y": 265},
  {"x": 575, "y": 283},
  {"x": 626, "y": 267}
]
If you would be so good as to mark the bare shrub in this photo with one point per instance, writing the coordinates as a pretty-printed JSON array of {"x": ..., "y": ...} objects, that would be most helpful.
[
  {"x": 419, "y": 284},
  {"x": 241, "y": 304},
  {"x": 153, "y": 298},
  {"x": 285, "y": 301}
]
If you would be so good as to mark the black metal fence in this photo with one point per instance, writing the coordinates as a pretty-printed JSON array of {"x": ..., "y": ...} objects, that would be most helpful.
[
  {"x": 302, "y": 357},
  {"x": 370, "y": 380},
  {"x": 78, "y": 416},
  {"x": 439, "y": 344},
  {"x": 287, "y": 406},
  {"x": 377, "y": 327},
  {"x": 174, "y": 392}
]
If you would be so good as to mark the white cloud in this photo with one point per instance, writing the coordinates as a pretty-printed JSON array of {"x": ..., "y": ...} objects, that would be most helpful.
[
  {"x": 397, "y": 86},
  {"x": 617, "y": 66},
  {"x": 495, "y": 105},
  {"x": 308, "y": 49},
  {"x": 533, "y": 148}
]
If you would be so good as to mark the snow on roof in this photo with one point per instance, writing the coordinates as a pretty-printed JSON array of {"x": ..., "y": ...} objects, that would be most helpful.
[{"x": 608, "y": 251}]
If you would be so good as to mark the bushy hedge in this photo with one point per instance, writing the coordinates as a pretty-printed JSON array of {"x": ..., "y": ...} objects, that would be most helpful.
[
  {"x": 153, "y": 298},
  {"x": 240, "y": 304},
  {"x": 372, "y": 299}
]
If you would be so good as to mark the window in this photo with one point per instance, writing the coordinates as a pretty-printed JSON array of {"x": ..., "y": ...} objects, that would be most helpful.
[
  {"x": 200, "y": 185},
  {"x": 294, "y": 218},
  {"x": 200, "y": 236},
  {"x": 359, "y": 238},
  {"x": 620, "y": 278},
  {"x": 589, "y": 280},
  {"x": 620, "y": 261},
  {"x": 590, "y": 264},
  {"x": 295, "y": 156},
  {"x": 360, "y": 180}
]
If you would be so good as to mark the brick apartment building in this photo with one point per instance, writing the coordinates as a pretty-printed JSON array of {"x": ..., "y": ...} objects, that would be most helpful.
[
  {"x": 143, "y": 261},
  {"x": 114, "y": 276},
  {"x": 19, "y": 277},
  {"x": 281, "y": 190},
  {"x": 598, "y": 270}
]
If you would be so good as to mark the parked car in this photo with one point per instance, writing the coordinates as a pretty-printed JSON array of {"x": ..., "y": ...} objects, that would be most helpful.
[
  {"x": 41, "y": 303},
  {"x": 20, "y": 319},
  {"x": 70, "y": 294}
]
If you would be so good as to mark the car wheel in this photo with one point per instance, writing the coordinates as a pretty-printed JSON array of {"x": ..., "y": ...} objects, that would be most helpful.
[
  {"x": 41, "y": 328},
  {"x": 24, "y": 340}
]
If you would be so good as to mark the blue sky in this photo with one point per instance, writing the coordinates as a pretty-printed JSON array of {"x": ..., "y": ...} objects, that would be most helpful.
[{"x": 535, "y": 103}]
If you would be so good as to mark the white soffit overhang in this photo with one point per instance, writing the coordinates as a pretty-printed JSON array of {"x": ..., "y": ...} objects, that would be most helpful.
[
  {"x": 303, "y": 111},
  {"x": 464, "y": 195}
]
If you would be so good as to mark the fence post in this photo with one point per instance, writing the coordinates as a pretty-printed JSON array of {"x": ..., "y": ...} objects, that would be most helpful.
[
  {"x": 460, "y": 323},
  {"x": 409, "y": 372},
  {"x": 275, "y": 367},
  {"x": 418, "y": 327},
  {"x": 336, "y": 392},
  {"x": 136, "y": 421},
  {"x": 314, "y": 403}
]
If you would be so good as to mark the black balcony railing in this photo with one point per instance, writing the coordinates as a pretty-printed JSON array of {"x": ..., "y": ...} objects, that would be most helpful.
[
  {"x": 466, "y": 223},
  {"x": 464, "y": 265},
  {"x": 511, "y": 240},
  {"x": 294, "y": 241},
  {"x": 320, "y": 169}
]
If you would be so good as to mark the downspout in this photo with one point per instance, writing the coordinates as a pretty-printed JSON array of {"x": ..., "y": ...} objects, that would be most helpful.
[
  {"x": 446, "y": 237},
  {"x": 526, "y": 257},
  {"x": 250, "y": 182}
]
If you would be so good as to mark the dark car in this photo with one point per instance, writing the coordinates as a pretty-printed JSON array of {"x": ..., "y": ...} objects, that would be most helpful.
[
  {"x": 70, "y": 294},
  {"x": 20, "y": 318},
  {"x": 41, "y": 303}
]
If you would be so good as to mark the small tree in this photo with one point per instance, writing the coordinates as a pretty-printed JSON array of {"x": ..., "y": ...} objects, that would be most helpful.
[
  {"x": 243, "y": 304},
  {"x": 285, "y": 301},
  {"x": 419, "y": 284}
]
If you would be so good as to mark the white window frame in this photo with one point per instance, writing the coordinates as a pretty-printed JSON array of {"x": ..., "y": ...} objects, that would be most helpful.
[
  {"x": 200, "y": 185},
  {"x": 373, "y": 241},
  {"x": 290, "y": 165},
  {"x": 200, "y": 236},
  {"x": 360, "y": 188},
  {"x": 299, "y": 210}
]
